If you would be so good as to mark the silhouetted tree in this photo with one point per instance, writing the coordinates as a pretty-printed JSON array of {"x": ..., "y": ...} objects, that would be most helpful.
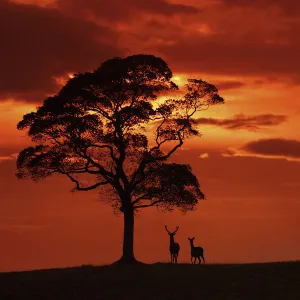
[{"x": 93, "y": 132}]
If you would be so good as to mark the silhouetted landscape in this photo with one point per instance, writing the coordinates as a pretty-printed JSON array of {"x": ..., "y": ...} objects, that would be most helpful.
[
  {"x": 158, "y": 281},
  {"x": 180, "y": 116}
]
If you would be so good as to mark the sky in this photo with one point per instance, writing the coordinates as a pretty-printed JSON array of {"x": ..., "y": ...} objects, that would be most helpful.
[{"x": 247, "y": 160}]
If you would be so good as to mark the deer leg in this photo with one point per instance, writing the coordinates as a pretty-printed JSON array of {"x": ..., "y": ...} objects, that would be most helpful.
[
  {"x": 199, "y": 260},
  {"x": 203, "y": 259}
]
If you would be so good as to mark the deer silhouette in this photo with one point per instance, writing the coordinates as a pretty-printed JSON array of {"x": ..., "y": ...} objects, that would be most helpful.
[
  {"x": 174, "y": 247},
  {"x": 196, "y": 252}
]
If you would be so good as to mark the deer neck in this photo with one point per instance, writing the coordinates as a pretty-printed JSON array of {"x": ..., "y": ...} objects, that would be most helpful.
[
  {"x": 192, "y": 244},
  {"x": 172, "y": 242}
]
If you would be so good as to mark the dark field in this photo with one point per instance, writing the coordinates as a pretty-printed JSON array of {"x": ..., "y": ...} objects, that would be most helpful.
[{"x": 269, "y": 281}]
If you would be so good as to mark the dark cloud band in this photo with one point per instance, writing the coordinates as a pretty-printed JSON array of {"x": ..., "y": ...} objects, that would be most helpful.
[
  {"x": 274, "y": 147},
  {"x": 251, "y": 123}
]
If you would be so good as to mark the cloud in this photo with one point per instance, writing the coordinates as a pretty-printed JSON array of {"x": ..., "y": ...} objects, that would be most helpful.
[
  {"x": 228, "y": 152},
  {"x": 204, "y": 155},
  {"x": 287, "y": 6},
  {"x": 224, "y": 38},
  {"x": 274, "y": 147},
  {"x": 242, "y": 122},
  {"x": 42, "y": 3},
  {"x": 10, "y": 151},
  {"x": 39, "y": 44},
  {"x": 43, "y": 43},
  {"x": 228, "y": 85},
  {"x": 242, "y": 41},
  {"x": 6, "y": 158},
  {"x": 122, "y": 10},
  {"x": 237, "y": 57}
]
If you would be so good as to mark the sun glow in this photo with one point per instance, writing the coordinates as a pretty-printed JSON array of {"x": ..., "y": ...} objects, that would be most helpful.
[
  {"x": 180, "y": 79},
  {"x": 62, "y": 80}
]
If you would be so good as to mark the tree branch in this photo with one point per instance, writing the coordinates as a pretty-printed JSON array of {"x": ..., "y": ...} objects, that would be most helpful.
[
  {"x": 148, "y": 205},
  {"x": 109, "y": 176},
  {"x": 78, "y": 187},
  {"x": 145, "y": 161},
  {"x": 143, "y": 197}
]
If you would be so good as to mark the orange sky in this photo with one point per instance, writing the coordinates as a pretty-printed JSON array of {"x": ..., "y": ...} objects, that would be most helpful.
[{"x": 247, "y": 160}]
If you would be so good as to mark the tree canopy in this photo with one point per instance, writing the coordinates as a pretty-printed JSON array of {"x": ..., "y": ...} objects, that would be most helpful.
[{"x": 94, "y": 126}]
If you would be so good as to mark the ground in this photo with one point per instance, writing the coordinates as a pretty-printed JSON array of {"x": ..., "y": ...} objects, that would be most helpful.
[{"x": 270, "y": 281}]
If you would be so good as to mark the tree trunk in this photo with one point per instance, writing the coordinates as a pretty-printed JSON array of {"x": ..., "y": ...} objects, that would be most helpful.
[{"x": 128, "y": 237}]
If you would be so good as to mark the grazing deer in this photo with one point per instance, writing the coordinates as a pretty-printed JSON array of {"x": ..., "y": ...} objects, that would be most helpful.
[
  {"x": 196, "y": 252},
  {"x": 174, "y": 247}
]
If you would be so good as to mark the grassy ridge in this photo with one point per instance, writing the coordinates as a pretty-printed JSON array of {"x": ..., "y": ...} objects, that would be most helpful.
[{"x": 158, "y": 281}]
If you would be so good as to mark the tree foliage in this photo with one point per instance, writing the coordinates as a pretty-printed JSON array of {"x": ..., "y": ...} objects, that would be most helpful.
[{"x": 94, "y": 131}]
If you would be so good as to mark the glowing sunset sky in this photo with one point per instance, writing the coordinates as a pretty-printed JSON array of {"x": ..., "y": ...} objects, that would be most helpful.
[{"x": 247, "y": 161}]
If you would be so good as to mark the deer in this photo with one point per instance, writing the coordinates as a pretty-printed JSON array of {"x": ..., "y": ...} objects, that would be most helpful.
[
  {"x": 196, "y": 252},
  {"x": 174, "y": 247}
]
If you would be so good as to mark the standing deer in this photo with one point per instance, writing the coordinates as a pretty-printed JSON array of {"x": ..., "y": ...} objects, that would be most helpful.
[
  {"x": 196, "y": 252},
  {"x": 174, "y": 247}
]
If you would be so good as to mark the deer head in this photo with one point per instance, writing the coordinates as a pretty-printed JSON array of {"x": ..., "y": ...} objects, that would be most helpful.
[{"x": 171, "y": 233}]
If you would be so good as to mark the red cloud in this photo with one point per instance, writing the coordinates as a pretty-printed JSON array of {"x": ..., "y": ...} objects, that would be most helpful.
[
  {"x": 75, "y": 36},
  {"x": 123, "y": 10},
  {"x": 229, "y": 85},
  {"x": 220, "y": 54},
  {"x": 287, "y": 6},
  {"x": 251, "y": 123},
  {"x": 275, "y": 147},
  {"x": 39, "y": 43}
]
